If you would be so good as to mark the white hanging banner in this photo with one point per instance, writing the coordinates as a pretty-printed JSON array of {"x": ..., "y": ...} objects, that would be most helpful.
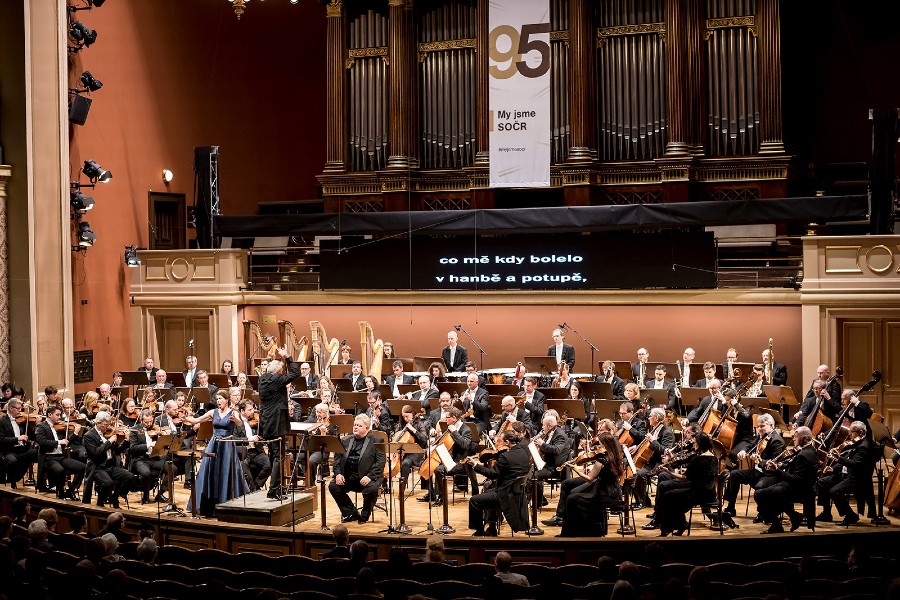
[{"x": 519, "y": 99}]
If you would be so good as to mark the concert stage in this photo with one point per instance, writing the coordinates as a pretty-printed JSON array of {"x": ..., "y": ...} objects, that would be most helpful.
[{"x": 257, "y": 509}]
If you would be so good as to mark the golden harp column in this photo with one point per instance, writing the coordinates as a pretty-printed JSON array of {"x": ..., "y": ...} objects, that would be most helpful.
[
  {"x": 769, "y": 32},
  {"x": 582, "y": 52},
  {"x": 402, "y": 83},
  {"x": 336, "y": 139}
]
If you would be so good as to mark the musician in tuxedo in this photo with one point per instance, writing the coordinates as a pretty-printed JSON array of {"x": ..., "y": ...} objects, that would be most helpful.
[
  {"x": 721, "y": 402},
  {"x": 202, "y": 381},
  {"x": 75, "y": 446},
  {"x": 310, "y": 378},
  {"x": 380, "y": 418},
  {"x": 609, "y": 376},
  {"x": 831, "y": 392},
  {"x": 190, "y": 373},
  {"x": 660, "y": 437},
  {"x": 767, "y": 444},
  {"x": 795, "y": 480},
  {"x": 848, "y": 472},
  {"x": 425, "y": 394},
  {"x": 757, "y": 380},
  {"x": 562, "y": 351},
  {"x": 534, "y": 400},
  {"x": 659, "y": 382},
  {"x": 357, "y": 377},
  {"x": 731, "y": 356},
  {"x": 360, "y": 468},
  {"x": 255, "y": 462},
  {"x": 709, "y": 373},
  {"x": 555, "y": 449},
  {"x": 463, "y": 446},
  {"x": 857, "y": 410},
  {"x": 684, "y": 366},
  {"x": 454, "y": 355},
  {"x": 507, "y": 491},
  {"x": 161, "y": 382},
  {"x": 397, "y": 378},
  {"x": 54, "y": 464},
  {"x": 715, "y": 401},
  {"x": 417, "y": 424},
  {"x": 320, "y": 415},
  {"x": 639, "y": 375},
  {"x": 441, "y": 412},
  {"x": 511, "y": 414},
  {"x": 472, "y": 368},
  {"x": 172, "y": 421},
  {"x": 477, "y": 399},
  {"x": 273, "y": 413},
  {"x": 779, "y": 371},
  {"x": 148, "y": 368},
  {"x": 112, "y": 480},
  {"x": 818, "y": 395},
  {"x": 16, "y": 443},
  {"x": 147, "y": 468},
  {"x": 631, "y": 421}
]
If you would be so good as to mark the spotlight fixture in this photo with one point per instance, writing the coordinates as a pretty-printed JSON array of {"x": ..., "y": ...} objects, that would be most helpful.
[
  {"x": 82, "y": 34},
  {"x": 95, "y": 172},
  {"x": 167, "y": 176},
  {"x": 90, "y": 83},
  {"x": 131, "y": 257},
  {"x": 86, "y": 237},
  {"x": 90, "y": 4},
  {"x": 80, "y": 202}
]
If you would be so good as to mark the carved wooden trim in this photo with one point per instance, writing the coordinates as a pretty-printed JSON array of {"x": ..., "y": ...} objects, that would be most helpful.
[{"x": 729, "y": 22}]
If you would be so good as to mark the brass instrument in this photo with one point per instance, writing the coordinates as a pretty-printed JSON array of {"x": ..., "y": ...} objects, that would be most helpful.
[
  {"x": 770, "y": 364},
  {"x": 680, "y": 381},
  {"x": 329, "y": 350},
  {"x": 642, "y": 373},
  {"x": 297, "y": 346},
  {"x": 372, "y": 350}
]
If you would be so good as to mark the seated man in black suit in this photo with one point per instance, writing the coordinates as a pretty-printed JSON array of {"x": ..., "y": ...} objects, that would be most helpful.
[
  {"x": 709, "y": 373},
  {"x": 425, "y": 394},
  {"x": 103, "y": 450},
  {"x": 254, "y": 462},
  {"x": 534, "y": 401},
  {"x": 357, "y": 377},
  {"x": 359, "y": 469},
  {"x": 148, "y": 368},
  {"x": 463, "y": 446},
  {"x": 51, "y": 446},
  {"x": 397, "y": 378},
  {"x": 609, "y": 376},
  {"x": 476, "y": 400},
  {"x": 15, "y": 443},
  {"x": 148, "y": 469},
  {"x": 847, "y": 472},
  {"x": 509, "y": 467}
]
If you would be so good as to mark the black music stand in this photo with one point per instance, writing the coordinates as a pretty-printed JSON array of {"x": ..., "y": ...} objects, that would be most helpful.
[
  {"x": 325, "y": 443},
  {"x": 782, "y": 396},
  {"x": 882, "y": 437},
  {"x": 163, "y": 394},
  {"x": 134, "y": 379},
  {"x": 407, "y": 388},
  {"x": 452, "y": 387},
  {"x": 396, "y": 406},
  {"x": 421, "y": 363},
  {"x": 350, "y": 403},
  {"x": 745, "y": 368},
  {"x": 604, "y": 408},
  {"x": 503, "y": 389},
  {"x": 695, "y": 372},
  {"x": 168, "y": 444},
  {"x": 201, "y": 397},
  {"x": 402, "y": 450},
  {"x": 543, "y": 365},
  {"x": 554, "y": 393},
  {"x": 343, "y": 384},
  {"x": 220, "y": 380},
  {"x": 119, "y": 390},
  {"x": 572, "y": 409},
  {"x": 596, "y": 390},
  {"x": 691, "y": 397},
  {"x": 623, "y": 369},
  {"x": 386, "y": 390}
]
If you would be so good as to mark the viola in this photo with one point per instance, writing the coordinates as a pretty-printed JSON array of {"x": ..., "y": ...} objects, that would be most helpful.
[{"x": 30, "y": 418}]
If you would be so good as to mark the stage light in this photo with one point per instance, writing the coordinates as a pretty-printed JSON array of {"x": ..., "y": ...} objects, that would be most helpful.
[
  {"x": 131, "y": 257},
  {"x": 86, "y": 237},
  {"x": 167, "y": 176},
  {"x": 95, "y": 172},
  {"x": 80, "y": 202},
  {"x": 81, "y": 33},
  {"x": 90, "y": 83}
]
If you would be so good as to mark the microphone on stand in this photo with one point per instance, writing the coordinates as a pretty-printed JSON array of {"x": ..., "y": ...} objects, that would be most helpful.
[
  {"x": 561, "y": 325},
  {"x": 457, "y": 327}
]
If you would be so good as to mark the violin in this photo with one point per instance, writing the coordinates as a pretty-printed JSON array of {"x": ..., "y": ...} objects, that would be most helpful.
[
  {"x": 254, "y": 420},
  {"x": 153, "y": 431},
  {"x": 68, "y": 427},
  {"x": 30, "y": 418}
]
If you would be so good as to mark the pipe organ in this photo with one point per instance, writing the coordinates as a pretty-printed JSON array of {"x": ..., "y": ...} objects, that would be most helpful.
[{"x": 651, "y": 101}]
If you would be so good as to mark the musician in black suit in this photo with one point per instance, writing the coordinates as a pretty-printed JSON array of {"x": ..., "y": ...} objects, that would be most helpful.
[
  {"x": 511, "y": 414},
  {"x": 397, "y": 378},
  {"x": 848, "y": 472},
  {"x": 69, "y": 413},
  {"x": 795, "y": 480},
  {"x": 534, "y": 400},
  {"x": 103, "y": 451},
  {"x": 454, "y": 355},
  {"x": 684, "y": 367},
  {"x": 161, "y": 382},
  {"x": 463, "y": 446},
  {"x": 357, "y": 377},
  {"x": 172, "y": 421},
  {"x": 857, "y": 410},
  {"x": 255, "y": 462},
  {"x": 660, "y": 437},
  {"x": 768, "y": 444},
  {"x": 147, "y": 468},
  {"x": 359, "y": 469},
  {"x": 476, "y": 399},
  {"x": 148, "y": 368},
  {"x": 15, "y": 443},
  {"x": 379, "y": 414},
  {"x": 440, "y": 413},
  {"x": 715, "y": 401},
  {"x": 609, "y": 376},
  {"x": 311, "y": 379},
  {"x": 52, "y": 445},
  {"x": 709, "y": 372},
  {"x": 507, "y": 492},
  {"x": 779, "y": 371},
  {"x": 190, "y": 373},
  {"x": 317, "y": 458},
  {"x": 202, "y": 381},
  {"x": 561, "y": 351},
  {"x": 831, "y": 392},
  {"x": 472, "y": 368},
  {"x": 638, "y": 374},
  {"x": 273, "y": 413},
  {"x": 417, "y": 424},
  {"x": 817, "y": 398},
  {"x": 659, "y": 382},
  {"x": 425, "y": 394},
  {"x": 555, "y": 449}
]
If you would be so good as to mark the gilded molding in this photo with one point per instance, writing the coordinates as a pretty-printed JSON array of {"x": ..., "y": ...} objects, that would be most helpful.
[
  {"x": 603, "y": 33},
  {"x": 842, "y": 259},
  {"x": 882, "y": 253},
  {"x": 729, "y": 22},
  {"x": 335, "y": 9},
  {"x": 460, "y": 44},
  {"x": 559, "y": 36},
  {"x": 367, "y": 52}
]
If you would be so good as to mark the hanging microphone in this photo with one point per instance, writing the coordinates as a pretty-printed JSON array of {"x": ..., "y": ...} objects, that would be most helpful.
[
  {"x": 343, "y": 342},
  {"x": 191, "y": 344},
  {"x": 457, "y": 327},
  {"x": 561, "y": 325}
]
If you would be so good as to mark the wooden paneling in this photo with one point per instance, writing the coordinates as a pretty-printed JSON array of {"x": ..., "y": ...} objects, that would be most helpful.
[
  {"x": 174, "y": 333},
  {"x": 867, "y": 345}
]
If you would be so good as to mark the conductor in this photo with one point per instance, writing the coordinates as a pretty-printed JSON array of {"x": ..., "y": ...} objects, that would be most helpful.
[{"x": 273, "y": 413}]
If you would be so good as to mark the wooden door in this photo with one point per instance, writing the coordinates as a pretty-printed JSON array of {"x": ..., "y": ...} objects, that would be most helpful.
[
  {"x": 174, "y": 334},
  {"x": 872, "y": 344}
]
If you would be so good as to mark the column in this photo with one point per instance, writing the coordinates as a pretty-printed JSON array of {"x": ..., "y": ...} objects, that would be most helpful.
[
  {"x": 401, "y": 97},
  {"x": 582, "y": 53},
  {"x": 5, "y": 174},
  {"x": 336, "y": 138},
  {"x": 769, "y": 43},
  {"x": 678, "y": 98}
]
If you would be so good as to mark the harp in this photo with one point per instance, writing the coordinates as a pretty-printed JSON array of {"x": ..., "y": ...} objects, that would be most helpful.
[
  {"x": 372, "y": 351},
  {"x": 256, "y": 344},
  {"x": 325, "y": 351},
  {"x": 297, "y": 347}
]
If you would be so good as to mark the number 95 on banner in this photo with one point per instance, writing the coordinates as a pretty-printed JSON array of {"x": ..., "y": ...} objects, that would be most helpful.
[{"x": 519, "y": 51}]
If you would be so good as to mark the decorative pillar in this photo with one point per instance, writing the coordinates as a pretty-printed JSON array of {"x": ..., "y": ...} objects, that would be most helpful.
[
  {"x": 677, "y": 97},
  {"x": 5, "y": 174},
  {"x": 582, "y": 53},
  {"x": 400, "y": 75},
  {"x": 694, "y": 88},
  {"x": 336, "y": 138},
  {"x": 482, "y": 120},
  {"x": 769, "y": 43}
]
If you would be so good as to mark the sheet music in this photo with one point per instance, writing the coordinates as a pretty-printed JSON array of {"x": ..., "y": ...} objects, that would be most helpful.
[
  {"x": 629, "y": 460},
  {"x": 539, "y": 462},
  {"x": 445, "y": 457},
  {"x": 304, "y": 427}
]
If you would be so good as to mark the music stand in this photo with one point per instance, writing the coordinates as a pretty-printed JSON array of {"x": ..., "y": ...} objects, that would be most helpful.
[
  {"x": 168, "y": 444},
  {"x": 421, "y": 363},
  {"x": 554, "y": 393},
  {"x": 757, "y": 403},
  {"x": 782, "y": 396},
  {"x": 118, "y": 391},
  {"x": 452, "y": 387},
  {"x": 496, "y": 402},
  {"x": 343, "y": 423},
  {"x": 164, "y": 394},
  {"x": 503, "y": 389},
  {"x": 175, "y": 378},
  {"x": 352, "y": 403},
  {"x": 402, "y": 450},
  {"x": 574, "y": 408},
  {"x": 882, "y": 437},
  {"x": 596, "y": 390},
  {"x": 340, "y": 372},
  {"x": 691, "y": 397},
  {"x": 542, "y": 364},
  {"x": 325, "y": 443},
  {"x": 407, "y": 388},
  {"x": 695, "y": 372},
  {"x": 385, "y": 390},
  {"x": 135, "y": 378},
  {"x": 395, "y": 405},
  {"x": 607, "y": 407},
  {"x": 343, "y": 384},
  {"x": 220, "y": 380},
  {"x": 200, "y": 396}
]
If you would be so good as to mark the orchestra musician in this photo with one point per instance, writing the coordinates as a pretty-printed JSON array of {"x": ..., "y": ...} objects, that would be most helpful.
[
  {"x": 148, "y": 368},
  {"x": 731, "y": 356},
  {"x": 425, "y": 394},
  {"x": 476, "y": 399},
  {"x": 417, "y": 425},
  {"x": 397, "y": 378},
  {"x": 104, "y": 442},
  {"x": 129, "y": 415},
  {"x": 227, "y": 369},
  {"x": 517, "y": 378},
  {"x": 604, "y": 426},
  {"x": 16, "y": 442},
  {"x": 585, "y": 511},
  {"x": 795, "y": 479},
  {"x": 326, "y": 427},
  {"x": 554, "y": 447},
  {"x": 172, "y": 420},
  {"x": 665, "y": 479},
  {"x": 273, "y": 414},
  {"x": 767, "y": 445},
  {"x": 345, "y": 351},
  {"x": 659, "y": 382},
  {"x": 147, "y": 468},
  {"x": 437, "y": 373},
  {"x": 857, "y": 410},
  {"x": 255, "y": 462},
  {"x": 161, "y": 382},
  {"x": 506, "y": 492},
  {"x": 639, "y": 368},
  {"x": 631, "y": 421},
  {"x": 684, "y": 366},
  {"x": 562, "y": 377},
  {"x": 661, "y": 437},
  {"x": 311, "y": 379},
  {"x": 758, "y": 380},
  {"x": 563, "y": 352},
  {"x": 831, "y": 392},
  {"x": 709, "y": 373},
  {"x": 610, "y": 376},
  {"x": 243, "y": 381},
  {"x": 76, "y": 445},
  {"x": 388, "y": 351},
  {"x": 817, "y": 393},
  {"x": 695, "y": 485},
  {"x": 40, "y": 405},
  {"x": 105, "y": 397},
  {"x": 779, "y": 371},
  {"x": 848, "y": 472},
  {"x": 534, "y": 400},
  {"x": 190, "y": 373},
  {"x": 472, "y": 368},
  {"x": 715, "y": 401},
  {"x": 379, "y": 415},
  {"x": 360, "y": 468},
  {"x": 454, "y": 355},
  {"x": 463, "y": 446},
  {"x": 511, "y": 414},
  {"x": 356, "y": 377},
  {"x": 55, "y": 464},
  {"x": 370, "y": 383}
]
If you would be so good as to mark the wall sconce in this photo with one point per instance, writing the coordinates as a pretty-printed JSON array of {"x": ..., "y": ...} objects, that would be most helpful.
[{"x": 167, "y": 176}]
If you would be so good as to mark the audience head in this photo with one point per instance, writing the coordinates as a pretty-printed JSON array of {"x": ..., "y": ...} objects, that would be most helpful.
[
  {"x": 37, "y": 530},
  {"x": 96, "y": 550},
  {"x": 111, "y": 542},
  {"x": 359, "y": 551},
  {"x": 434, "y": 549},
  {"x": 5, "y": 527},
  {"x": 607, "y": 569},
  {"x": 114, "y": 521},
  {"x": 49, "y": 515},
  {"x": 623, "y": 590},
  {"x": 341, "y": 535},
  {"x": 503, "y": 562},
  {"x": 147, "y": 550},
  {"x": 630, "y": 572},
  {"x": 77, "y": 521}
]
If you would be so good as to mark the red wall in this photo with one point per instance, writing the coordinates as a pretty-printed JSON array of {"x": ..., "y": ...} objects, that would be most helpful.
[{"x": 179, "y": 74}]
